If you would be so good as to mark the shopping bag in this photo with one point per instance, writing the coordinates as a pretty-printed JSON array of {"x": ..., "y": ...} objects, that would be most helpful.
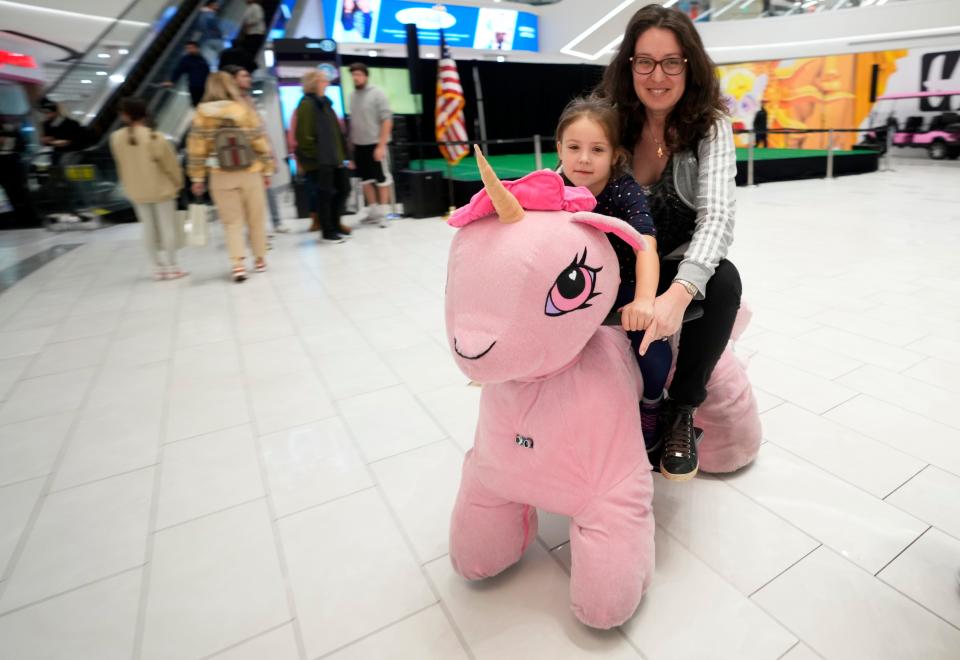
[
  {"x": 181, "y": 235},
  {"x": 195, "y": 228}
]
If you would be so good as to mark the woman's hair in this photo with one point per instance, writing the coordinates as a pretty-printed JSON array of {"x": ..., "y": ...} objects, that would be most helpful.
[
  {"x": 232, "y": 69},
  {"x": 221, "y": 87},
  {"x": 597, "y": 110},
  {"x": 699, "y": 107},
  {"x": 136, "y": 110}
]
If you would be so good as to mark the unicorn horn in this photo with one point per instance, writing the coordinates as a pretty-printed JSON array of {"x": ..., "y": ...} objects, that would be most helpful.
[{"x": 506, "y": 205}]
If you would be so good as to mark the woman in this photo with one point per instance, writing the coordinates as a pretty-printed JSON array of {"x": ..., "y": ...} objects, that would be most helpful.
[
  {"x": 227, "y": 141},
  {"x": 663, "y": 84},
  {"x": 151, "y": 178}
]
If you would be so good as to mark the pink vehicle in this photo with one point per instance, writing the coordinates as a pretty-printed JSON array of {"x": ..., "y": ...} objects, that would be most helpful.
[{"x": 940, "y": 136}]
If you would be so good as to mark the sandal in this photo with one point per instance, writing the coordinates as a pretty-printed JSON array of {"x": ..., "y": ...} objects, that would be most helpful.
[
  {"x": 176, "y": 274},
  {"x": 260, "y": 266},
  {"x": 239, "y": 273}
]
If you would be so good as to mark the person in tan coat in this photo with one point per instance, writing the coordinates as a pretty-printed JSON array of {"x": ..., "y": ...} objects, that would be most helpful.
[
  {"x": 151, "y": 178},
  {"x": 239, "y": 166}
]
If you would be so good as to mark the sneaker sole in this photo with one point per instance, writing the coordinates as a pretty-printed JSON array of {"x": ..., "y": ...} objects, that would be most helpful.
[{"x": 679, "y": 477}]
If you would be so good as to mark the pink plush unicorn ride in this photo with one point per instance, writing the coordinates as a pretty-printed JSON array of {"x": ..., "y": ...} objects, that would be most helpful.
[{"x": 531, "y": 276}]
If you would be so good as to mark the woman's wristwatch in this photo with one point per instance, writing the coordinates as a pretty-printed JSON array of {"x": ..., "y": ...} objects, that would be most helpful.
[{"x": 689, "y": 286}]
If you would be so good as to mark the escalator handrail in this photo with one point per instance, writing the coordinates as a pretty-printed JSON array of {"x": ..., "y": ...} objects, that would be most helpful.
[{"x": 94, "y": 45}]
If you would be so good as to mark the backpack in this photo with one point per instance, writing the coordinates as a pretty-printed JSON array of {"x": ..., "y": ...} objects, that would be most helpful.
[{"x": 232, "y": 147}]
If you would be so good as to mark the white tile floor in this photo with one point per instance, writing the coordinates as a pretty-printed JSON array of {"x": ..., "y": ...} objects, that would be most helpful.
[{"x": 197, "y": 469}]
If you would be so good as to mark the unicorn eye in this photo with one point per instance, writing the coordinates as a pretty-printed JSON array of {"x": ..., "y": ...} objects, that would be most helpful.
[{"x": 573, "y": 288}]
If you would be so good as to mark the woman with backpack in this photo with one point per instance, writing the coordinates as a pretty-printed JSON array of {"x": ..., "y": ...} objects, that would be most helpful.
[
  {"x": 151, "y": 178},
  {"x": 227, "y": 141}
]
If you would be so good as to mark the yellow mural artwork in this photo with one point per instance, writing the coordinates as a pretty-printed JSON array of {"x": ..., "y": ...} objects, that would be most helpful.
[{"x": 806, "y": 93}]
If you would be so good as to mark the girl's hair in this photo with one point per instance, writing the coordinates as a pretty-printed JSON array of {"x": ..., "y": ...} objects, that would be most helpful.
[
  {"x": 136, "y": 110},
  {"x": 597, "y": 110},
  {"x": 699, "y": 107},
  {"x": 221, "y": 87}
]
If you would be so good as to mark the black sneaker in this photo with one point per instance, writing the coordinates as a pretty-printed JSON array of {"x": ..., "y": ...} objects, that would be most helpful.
[{"x": 679, "y": 460}]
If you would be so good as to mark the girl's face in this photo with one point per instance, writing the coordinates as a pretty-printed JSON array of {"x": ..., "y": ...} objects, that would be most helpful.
[
  {"x": 658, "y": 91},
  {"x": 586, "y": 154}
]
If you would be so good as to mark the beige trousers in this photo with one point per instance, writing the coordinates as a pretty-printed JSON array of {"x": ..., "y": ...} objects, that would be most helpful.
[
  {"x": 241, "y": 201},
  {"x": 159, "y": 232}
]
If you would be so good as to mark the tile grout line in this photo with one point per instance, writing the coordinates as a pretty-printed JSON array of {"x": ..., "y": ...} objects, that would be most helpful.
[
  {"x": 246, "y": 640},
  {"x": 393, "y": 515},
  {"x": 768, "y": 582},
  {"x": 372, "y": 633},
  {"x": 907, "y": 547},
  {"x": 145, "y": 579},
  {"x": 65, "y": 592},
  {"x": 45, "y": 491},
  {"x": 279, "y": 549},
  {"x": 911, "y": 478}
]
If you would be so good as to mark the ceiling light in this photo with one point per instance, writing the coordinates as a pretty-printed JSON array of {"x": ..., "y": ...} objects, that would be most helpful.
[
  {"x": 430, "y": 55},
  {"x": 568, "y": 49},
  {"x": 103, "y": 56},
  {"x": 101, "y": 73},
  {"x": 123, "y": 51},
  {"x": 86, "y": 82},
  {"x": 117, "y": 78},
  {"x": 71, "y": 14},
  {"x": 670, "y": 3},
  {"x": 372, "y": 53},
  {"x": 501, "y": 58}
]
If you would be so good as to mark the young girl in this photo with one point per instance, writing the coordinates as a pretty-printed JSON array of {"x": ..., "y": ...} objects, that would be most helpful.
[
  {"x": 590, "y": 156},
  {"x": 152, "y": 179}
]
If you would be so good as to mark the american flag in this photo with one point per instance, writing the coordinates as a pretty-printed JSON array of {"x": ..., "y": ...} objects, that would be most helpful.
[{"x": 450, "y": 125}]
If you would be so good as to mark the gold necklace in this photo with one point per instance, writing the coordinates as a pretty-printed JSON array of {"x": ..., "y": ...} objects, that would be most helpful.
[{"x": 659, "y": 148}]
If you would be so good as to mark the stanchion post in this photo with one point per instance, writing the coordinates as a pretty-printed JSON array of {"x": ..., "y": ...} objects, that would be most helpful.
[
  {"x": 751, "y": 141},
  {"x": 830, "y": 154},
  {"x": 537, "y": 152}
]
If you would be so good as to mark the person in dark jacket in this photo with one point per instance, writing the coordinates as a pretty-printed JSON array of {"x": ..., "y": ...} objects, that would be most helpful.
[
  {"x": 208, "y": 32},
  {"x": 195, "y": 67},
  {"x": 321, "y": 151},
  {"x": 13, "y": 173},
  {"x": 60, "y": 132},
  {"x": 237, "y": 56},
  {"x": 760, "y": 125}
]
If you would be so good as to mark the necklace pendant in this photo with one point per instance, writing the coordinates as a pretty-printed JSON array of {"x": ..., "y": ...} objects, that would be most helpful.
[{"x": 659, "y": 151}]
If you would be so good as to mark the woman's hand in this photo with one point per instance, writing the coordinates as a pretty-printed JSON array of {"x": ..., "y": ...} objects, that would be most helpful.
[
  {"x": 668, "y": 311},
  {"x": 637, "y": 315},
  {"x": 197, "y": 189}
]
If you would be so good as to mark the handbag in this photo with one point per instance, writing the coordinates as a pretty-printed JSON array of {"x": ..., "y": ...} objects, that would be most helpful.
[{"x": 195, "y": 226}]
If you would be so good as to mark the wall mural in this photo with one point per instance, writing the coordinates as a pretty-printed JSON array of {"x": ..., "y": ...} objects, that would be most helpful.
[{"x": 803, "y": 93}]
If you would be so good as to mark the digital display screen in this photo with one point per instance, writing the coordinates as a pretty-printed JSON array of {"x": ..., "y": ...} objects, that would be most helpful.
[
  {"x": 384, "y": 21},
  {"x": 394, "y": 82},
  {"x": 291, "y": 93}
]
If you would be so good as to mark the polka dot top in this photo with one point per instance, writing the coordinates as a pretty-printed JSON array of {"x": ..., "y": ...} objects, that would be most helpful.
[{"x": 623, "y": 198}]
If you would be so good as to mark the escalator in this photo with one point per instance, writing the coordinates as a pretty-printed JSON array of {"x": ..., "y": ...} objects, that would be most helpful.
[{"x": 83, "y": 186}]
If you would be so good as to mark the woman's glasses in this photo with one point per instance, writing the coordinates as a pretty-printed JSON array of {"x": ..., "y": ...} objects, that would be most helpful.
[{"x": 672, "y": 66}]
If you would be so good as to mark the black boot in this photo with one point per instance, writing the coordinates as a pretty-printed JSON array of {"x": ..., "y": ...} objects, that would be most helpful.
[{"x": 679, "y": 461}]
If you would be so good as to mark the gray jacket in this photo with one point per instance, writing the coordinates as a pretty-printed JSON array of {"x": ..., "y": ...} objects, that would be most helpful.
[{"x": 705, "y": 182}]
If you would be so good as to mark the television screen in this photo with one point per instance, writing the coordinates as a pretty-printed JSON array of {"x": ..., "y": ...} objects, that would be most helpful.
[
  {"x": 396, "y": 84},
  {"x": 384, "y": 21}
]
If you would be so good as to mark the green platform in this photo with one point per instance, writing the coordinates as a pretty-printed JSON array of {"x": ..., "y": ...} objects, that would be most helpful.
[{"x": 516, "y": 165}]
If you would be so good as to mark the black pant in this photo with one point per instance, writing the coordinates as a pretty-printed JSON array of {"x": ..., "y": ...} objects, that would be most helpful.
[
  {"x": 251, "y": 43},
  {"x": 762, "y": 140},
  {"x": 331, "y": 187},
  {"x": 13, "y": 179},
  {"x": 702, "y": 341},
  {"x": 196, "y": 94}
]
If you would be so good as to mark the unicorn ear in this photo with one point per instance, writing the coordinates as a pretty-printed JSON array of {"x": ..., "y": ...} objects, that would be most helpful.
[{"x": 609, "y": 225}]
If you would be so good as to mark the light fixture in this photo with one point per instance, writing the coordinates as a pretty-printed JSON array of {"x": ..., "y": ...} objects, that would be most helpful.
[
  {"x": 501, "y": 58},
  {"x": 86, "y": 82},
  {"x": 257, "y": 92},
  {"x": 103, "y": 56},
  {"x": 431, "y": 56},
  {"x": 72, "y": 14},
  {"x": 670, "y": 3},
  {"x": 123, "y": 51},
  {"x": 101, "y": 73},
  {"x": 372, "y": 53},
  {"x": 117, "y": 78},
  {"x": 268, "y": 58},
  {"x": 569, "y": 50}
]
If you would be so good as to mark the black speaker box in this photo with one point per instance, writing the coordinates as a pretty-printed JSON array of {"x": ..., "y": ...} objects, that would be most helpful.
[{"x": 423, "y": 193}]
